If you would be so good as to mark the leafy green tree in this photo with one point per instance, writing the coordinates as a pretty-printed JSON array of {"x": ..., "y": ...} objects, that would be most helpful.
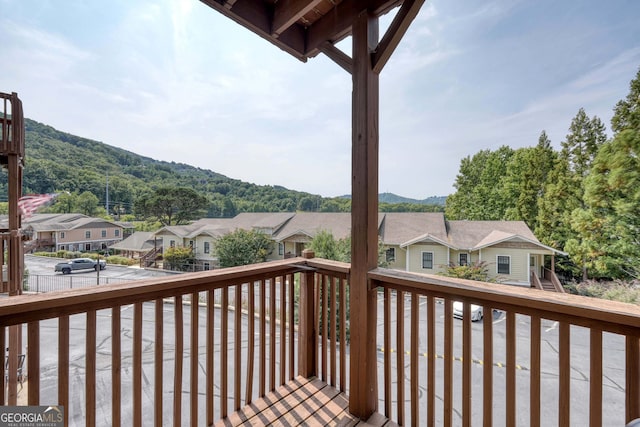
[
  {"x": 87, "y": 203},
  {"x": 65, "y": 203},
  {"x": 526, "y": 179},
  {"x": 242, "y": 247},
  {"x": 179, "y": 258},
  {"x": 172, "y": 205},
  {"x": 479, "y": 187},
  {"x": 324, "y": 245}
]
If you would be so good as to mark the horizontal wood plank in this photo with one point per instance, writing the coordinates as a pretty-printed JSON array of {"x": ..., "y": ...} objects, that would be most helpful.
[{"x": 300, "y": 401}]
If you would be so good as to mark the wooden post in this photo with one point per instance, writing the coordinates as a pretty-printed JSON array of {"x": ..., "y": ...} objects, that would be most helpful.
[
  {"x": 363, "y": 393},
  {"x": 308, "y": 340}
]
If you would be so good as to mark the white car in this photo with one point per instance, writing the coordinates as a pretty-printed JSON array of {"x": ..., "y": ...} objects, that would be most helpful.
[{"x": 476, "y": 311}]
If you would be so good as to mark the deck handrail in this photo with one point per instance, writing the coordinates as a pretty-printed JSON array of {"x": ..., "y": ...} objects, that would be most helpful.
[
  {"x": 26, "y": 308},
  {"x": 598, "y": 316}
]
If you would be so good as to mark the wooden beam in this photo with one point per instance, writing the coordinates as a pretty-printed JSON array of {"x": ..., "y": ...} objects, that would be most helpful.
[
  {"x": 257, "y": 17},
  {"x": 364, "y": 218},
  {"x": 407, "y": 13},
  {"x": 288, "y": 12},
  {"x": 336, "y": 25},
  {"x": 337, "y": 56}
]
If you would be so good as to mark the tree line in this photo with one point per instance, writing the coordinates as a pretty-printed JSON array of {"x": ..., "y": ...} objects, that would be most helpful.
[
  {"x": 82, "y": 171},
  {"x": 583, "y": 199}
]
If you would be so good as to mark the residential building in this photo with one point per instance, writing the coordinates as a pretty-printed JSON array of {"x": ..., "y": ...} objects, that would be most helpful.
[
  {"x": 72, "y": 232},
  {"x": 420, "y": 242}
]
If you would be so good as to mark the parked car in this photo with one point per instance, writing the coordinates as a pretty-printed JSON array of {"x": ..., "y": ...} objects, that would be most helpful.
[
  {"x": 67, "y": 267},
  {"x": 476, "y": 311}
]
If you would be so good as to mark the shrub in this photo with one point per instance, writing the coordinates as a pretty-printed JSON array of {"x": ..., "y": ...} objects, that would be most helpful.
[{"x": 475, "y": 271}]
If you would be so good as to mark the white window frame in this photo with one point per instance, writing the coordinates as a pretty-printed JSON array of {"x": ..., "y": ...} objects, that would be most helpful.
[
  {"x": 498, "y": 264},
  {"x": 103, "y": 233},
  {"x": 116, "y": 232},
  {"x": 460, "y": 255},
  {"x": 392, "y": 257},
  {"x": 207, "y": 247},
  {"x": 206, "y": 266},
  {"x": 172, "y": 243},
  {"x": 432, "y": 260},
  {"x": 62, "y": 234},
  {"x": 87, "y": 234}
]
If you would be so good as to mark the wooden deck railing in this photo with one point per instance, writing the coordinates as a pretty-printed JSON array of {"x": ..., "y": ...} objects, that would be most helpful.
[
  {"x": 139, "y": 348},
  {"x": 151, "y": 332},
  {"x": 489, "y": 377}
]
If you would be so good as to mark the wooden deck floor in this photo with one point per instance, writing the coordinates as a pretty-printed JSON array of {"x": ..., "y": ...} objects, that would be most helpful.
[{"x": 308, "y": 402}]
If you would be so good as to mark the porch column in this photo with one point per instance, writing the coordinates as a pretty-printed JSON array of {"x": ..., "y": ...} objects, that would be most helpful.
[{"x": 363, "y": 393}]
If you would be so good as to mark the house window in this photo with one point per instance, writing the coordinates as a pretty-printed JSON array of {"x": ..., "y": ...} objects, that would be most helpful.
[
  {"x": 207, "y": 248},
  {"x": 62, "y": 234},
  {"x": 390, "y": 254},
  {"x": 87, "y": 247},
  {"x": 117, "y": 232},
  {"x": 427, "y": 260},
  {"x": 206, "y": 266},
  {"x": 62, "y": 247},
  {"x": 191, "y": 244},
  {"x": 504, "y": 264},
  {"x": 464, "y": 259},
  {"x": 104, "y": 233},
  {"x": 172, "y": 243},
  {"x": 280, "y": 248},
  {"x": 87, "y": 234}
]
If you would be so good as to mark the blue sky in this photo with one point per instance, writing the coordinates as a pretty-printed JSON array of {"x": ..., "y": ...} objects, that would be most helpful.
[{"x": 176, "y": 81}]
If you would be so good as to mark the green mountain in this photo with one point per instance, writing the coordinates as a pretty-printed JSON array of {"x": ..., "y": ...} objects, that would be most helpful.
[
  {"x": 391, "y": 198},
  {"x": 60, "y": 162}
]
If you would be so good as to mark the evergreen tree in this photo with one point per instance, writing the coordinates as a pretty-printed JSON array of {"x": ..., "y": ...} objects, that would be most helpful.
[
  {"x": 609, "y": 224},
  {"x": 564, "y": 195}
]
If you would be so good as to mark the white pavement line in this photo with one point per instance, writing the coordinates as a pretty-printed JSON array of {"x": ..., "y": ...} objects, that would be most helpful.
[
  {"x": 501, "y": 319},
  {"x": 555, "y": 325}
]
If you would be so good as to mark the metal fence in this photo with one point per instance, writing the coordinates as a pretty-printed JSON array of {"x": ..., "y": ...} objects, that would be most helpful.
[{"x": 45, "y": 283}]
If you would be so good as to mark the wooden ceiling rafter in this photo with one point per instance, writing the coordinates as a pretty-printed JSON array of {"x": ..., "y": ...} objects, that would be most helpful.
[{"x": 302, "y": 27}]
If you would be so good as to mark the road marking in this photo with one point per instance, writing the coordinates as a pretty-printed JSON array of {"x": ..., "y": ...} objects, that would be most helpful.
[
  {"x": 555, "y": 325},
  {"x": 456, "y": 358}
]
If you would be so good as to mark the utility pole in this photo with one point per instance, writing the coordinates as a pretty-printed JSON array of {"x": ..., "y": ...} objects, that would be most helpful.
[{"x": 107, "y": 194}]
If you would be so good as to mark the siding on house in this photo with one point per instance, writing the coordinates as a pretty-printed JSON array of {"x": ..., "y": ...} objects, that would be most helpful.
[
  {"x": 440, "y": 257},
  {"x": 519, "y": 264}
]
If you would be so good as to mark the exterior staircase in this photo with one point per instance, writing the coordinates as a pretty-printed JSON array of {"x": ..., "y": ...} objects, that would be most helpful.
[{"x": 547, "y": 285}]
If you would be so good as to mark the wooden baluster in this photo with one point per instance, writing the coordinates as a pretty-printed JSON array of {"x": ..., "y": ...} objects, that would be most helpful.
[
  {"x": 448, "y": 363},
  {"x": 415, "y": 322},
  {"x": 283, "y": 330},
  {"x": 210, "y": 353},
  {"x": 511, "y": 368},
  {"x": 178, "y": 355},
  {"x": 116, "y": 366},
  {"x": 137, "y": 364},
  {"x": 90, "y": 384},
  {"x": 263, "y": 339},
  {"x": 224, "y": 328},
  {"x": 272, "y": 334},
  {"x": 237, "y": 347},
  {"x": 564, "y": 392},
  {"x": 387, "y": 353},
  {"x": 595, "y": 378},
  {"x": 251, "y": 312},
  {"x": 291, "y": 323},
  {"x": 400, "y": 353},
  {"x": 466, "y": 365},
  {"x": 487, "y": 367},
  {"x": 158, "y": 362},
  {"x": 323, "y": 311},
  {"x": 332, "y": 332},
  {"x": 431, "y": 361},
  {"x": 632, "y": 374},
  {"x": 343, "y": 335},
  {"x": 33, "y": 364},
  {"x": 63, "y": 365},
  {"x": 193, "y": 357}
]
